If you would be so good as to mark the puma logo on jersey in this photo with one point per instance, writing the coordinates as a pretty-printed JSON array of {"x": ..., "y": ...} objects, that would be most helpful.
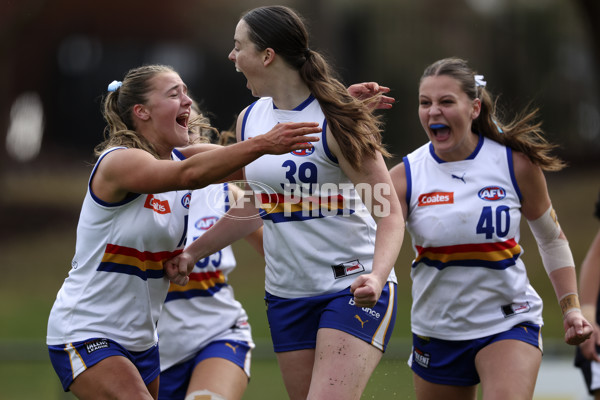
[
  {"x": 460, "y": 178},
  {"x": 232, "y": 347},
  {"x": 159, "y": 206},
  {"x": 362, "y": 323},
  {"x": 435, "y": 198}
]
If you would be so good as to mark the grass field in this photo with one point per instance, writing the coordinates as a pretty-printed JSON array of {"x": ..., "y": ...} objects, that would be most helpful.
[{"x": 40, "y": 211}]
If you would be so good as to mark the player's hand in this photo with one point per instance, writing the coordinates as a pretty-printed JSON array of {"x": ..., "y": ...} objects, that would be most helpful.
[
  {"x": 588, "y": 347},
  {"x": 368, "y": 90},
  {"x": 178, "y": 268},
  {"x": 577, "y": 328},
  {"x": 289, "y": 136},
  {"x": 366, "y": 290}
]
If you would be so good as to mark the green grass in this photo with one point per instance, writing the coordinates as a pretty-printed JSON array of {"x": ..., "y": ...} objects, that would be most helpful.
[{"x": 37, "y": 247}]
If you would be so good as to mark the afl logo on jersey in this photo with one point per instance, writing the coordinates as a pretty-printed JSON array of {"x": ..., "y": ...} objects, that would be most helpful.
[
  {"x": 303, "y": 152},
  {"x": 204, "y": 223},
  {"x": 492, "y": 193},
  {"x": 185, "y": 200}
]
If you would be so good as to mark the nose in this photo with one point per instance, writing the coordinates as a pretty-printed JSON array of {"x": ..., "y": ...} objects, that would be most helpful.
[
  {"x": 187, "y": 100},
  {"x": 231, "y": 56},
  {"x": 434, "y": 110}
]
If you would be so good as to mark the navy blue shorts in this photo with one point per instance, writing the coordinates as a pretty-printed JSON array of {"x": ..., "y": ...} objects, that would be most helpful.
[
  {"x": 589, "y": 369},
  {"x": 71, "y": 359},
  {"x": 452, "y": 362},
  {"x": 175, "y": 380},
  {"x": 294, "y": 322}
]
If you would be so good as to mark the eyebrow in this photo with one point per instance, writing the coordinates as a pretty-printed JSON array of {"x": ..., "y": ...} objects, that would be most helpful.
[{"x": 175, "y": 87}]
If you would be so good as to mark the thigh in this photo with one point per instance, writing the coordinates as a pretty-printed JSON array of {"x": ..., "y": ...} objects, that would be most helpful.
[
  {"x": 425, "y": 390},
  {"x": 343, "y": 365},
  {"x": 114, "y": 377},
  {"x": 511, "y": 361},
  {"x": 296, "y": 370},
  {"x": 219, "y": 376}
]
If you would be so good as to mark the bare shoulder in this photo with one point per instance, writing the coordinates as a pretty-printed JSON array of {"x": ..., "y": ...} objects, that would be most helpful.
[
  {"x": 398, "y": 171},
  {"x": 107, "y": 183},
  {"x": 527, "y": 173},
  {"x": 523, "y": 165},
  {"x": 532, "y": 184},
  {"x": 398, "y": 174},
  {"x": 240, "y": 123},
  {"x": 122, "y": 159},
  {"x": 332, "y": 143}
]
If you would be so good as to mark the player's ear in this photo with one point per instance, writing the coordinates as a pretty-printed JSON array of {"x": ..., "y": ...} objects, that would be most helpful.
[
  {"x": 476, "y": 109},
  {"x": 141, "y": 112},
  {"x": 268, "y": 56}
]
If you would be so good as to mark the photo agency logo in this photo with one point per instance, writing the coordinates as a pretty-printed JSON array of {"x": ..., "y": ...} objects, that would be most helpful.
[{"x": 299, "y": 201}]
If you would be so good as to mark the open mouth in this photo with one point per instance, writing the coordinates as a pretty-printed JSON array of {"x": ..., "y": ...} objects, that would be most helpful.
[
  {"x": 182, "y": 120},
  {"x": 439, "y": 129}
]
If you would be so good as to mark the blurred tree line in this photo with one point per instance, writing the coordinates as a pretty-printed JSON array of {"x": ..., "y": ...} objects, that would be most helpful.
[{"x": 545, "y": 53}]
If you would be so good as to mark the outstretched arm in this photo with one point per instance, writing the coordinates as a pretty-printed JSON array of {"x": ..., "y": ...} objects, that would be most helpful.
[{"x": 126, "y": 171}]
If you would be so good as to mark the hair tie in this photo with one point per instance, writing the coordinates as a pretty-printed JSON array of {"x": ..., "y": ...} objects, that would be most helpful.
[
  {"x": 479, "y": 82},
  {"x": 114, "y": 85},
  {"x": 307, "y": 52},
  {"x": 497, "y": 125}
]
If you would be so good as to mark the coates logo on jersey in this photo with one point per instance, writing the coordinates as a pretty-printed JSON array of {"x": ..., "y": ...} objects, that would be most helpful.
[
  {"x": 492, "y": 193},
  {"x": 304, "y": 152},
  {"x": 205, "y": 223},
  {"x": 185, "y": 200},
  {"x": 160, "y": 206},
  {"x": 436, "y": 198}
]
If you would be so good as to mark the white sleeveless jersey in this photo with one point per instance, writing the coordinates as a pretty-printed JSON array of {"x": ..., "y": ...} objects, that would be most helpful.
[
  {"x": 116, "y": 286},
  {"x": 463, "y": 217},
  {"x": 195, "y": 314},
  {"x": 318, "y": 234}
]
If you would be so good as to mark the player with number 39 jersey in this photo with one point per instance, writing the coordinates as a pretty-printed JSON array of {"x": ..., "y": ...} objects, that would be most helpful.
[
  {"x": 329, "y": 247},
  {"x": 318, "y": 219}
]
